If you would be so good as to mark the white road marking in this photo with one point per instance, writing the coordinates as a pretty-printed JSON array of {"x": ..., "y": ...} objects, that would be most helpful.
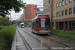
[{"x": 40, "y": 48}]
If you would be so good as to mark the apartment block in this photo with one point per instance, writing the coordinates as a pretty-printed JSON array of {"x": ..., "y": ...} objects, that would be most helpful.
[
  {"x": 48, "y": 9},
  {"x": 30, "y": 12},
  {"x": 40, "y": 11},
  {"x": 62, "y": 14}
]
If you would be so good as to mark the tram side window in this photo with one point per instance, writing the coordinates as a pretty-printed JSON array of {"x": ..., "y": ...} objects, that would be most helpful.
[
  {"x": 32, "y": 25},
  {"x": 37, "y": 23}
]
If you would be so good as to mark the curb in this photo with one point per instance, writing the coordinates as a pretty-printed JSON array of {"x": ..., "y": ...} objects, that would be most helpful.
[{"x": 13, "y": 47}]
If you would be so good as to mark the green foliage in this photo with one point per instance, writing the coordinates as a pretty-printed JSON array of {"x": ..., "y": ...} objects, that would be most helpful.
[
  {"x": 63, "y": 34},
  {"x": 13, "y": 22},
  {"x": 3, "y": 20},
  {"x": 1, "y": 27},
  {"x": 7, "y": 5},
  {"x": 6, "y": 37}
]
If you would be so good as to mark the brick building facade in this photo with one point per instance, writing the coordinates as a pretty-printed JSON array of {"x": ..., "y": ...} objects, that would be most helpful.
[
  {"x": 30, "y": 12},
  {"x": 62, "y": 13}
]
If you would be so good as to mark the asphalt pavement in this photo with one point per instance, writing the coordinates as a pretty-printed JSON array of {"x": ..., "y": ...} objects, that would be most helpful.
[{"x": 19, "y": 45}]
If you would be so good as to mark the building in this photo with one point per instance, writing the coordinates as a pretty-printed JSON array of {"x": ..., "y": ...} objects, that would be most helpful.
[
  {"x": 39, "y": 10},
  {"x": 30, "y": 13},
  {"x": 63, "y": 14},
  {"x": 48, "y": 9}
]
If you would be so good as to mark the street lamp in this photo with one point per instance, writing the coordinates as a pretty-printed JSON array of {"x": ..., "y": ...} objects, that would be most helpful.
[{"x": 24, "y": 13}]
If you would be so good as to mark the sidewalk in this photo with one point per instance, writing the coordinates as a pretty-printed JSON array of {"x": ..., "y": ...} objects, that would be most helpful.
[
  {"x": 18, "y": 43},
  {"x": 13, "y": 47}
]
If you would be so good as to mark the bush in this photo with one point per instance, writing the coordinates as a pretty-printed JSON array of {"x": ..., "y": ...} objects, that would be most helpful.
[
  {"x": 7, "y": 35},
  {"x": 63, "y": 33},
  {"x": 1, "y": 27}
]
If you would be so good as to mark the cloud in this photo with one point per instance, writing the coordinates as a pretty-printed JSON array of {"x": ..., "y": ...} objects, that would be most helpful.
[{"x": 15, "y": 16}]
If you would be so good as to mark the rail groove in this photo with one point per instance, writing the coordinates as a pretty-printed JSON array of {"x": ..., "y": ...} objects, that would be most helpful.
[
  {"x": 54, "y": 40},
  {"x": 46, "y": 45},
  {"x": 25, "y": 42}
]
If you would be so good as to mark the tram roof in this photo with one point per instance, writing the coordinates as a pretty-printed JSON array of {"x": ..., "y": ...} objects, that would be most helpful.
[
  {"x": 42, "y": 15},
  {"x": 38, "y": 16},
  {"x": 21, "y": 23}
]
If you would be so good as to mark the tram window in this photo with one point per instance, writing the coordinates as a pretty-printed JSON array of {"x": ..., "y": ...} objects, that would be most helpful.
[
  {"x": 32, "y": 25},
  {"x": 38, "y": 23},
  {"x": 45, "y": 22}
]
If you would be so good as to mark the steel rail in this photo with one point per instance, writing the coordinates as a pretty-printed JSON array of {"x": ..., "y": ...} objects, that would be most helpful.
[
  {"x": 24, "y": 41},
  {"x": 53, "y": 40}
]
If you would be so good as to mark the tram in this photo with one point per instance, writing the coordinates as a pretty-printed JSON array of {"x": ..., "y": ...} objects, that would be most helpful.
[
  {"x": 41, "y": 24},
  {"x": 22, "y": 25}
]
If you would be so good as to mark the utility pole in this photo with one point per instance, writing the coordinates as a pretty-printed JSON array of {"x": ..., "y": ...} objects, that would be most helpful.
[
  {"x": 51, "y": 13},
  {"x": 24, "y": 14}
]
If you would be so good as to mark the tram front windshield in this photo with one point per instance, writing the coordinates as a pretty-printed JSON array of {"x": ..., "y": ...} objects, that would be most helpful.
[
  {"x": 22, "y": 24},
  {"x": 45, "y": 22}
]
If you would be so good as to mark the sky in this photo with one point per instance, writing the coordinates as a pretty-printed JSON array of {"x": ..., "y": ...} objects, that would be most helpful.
[{"x": 15, "y": 16}]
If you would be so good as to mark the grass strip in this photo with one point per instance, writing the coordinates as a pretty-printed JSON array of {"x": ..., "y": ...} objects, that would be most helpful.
[{"x": 63, "y": 34}]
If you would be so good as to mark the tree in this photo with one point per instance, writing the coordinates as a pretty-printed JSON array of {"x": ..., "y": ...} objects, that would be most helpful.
[
  {"x": 8, "y": 5},
  {"x": 4, "y": 21}
]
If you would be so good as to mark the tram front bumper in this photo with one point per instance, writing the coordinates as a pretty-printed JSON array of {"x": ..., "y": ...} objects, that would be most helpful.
[{"x": 44, "y": 32}]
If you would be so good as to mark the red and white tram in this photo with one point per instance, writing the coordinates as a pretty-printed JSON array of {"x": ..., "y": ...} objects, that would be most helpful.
[{"x": 41, "y": 24}]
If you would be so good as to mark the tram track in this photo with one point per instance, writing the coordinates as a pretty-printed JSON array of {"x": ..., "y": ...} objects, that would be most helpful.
[
  {"x": 24, "y": 41},
  {"x": 44, "y": 44},
  {"x": 51, "y": 39}
]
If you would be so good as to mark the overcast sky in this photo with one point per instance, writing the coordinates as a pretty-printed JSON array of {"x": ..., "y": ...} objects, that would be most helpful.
[{"x": 15, "y": 16}]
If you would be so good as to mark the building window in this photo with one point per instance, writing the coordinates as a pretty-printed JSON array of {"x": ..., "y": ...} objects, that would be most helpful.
[
  {"x": 59, "y": 4},
  {"x": 70, "y": 10},
  {"x": 62, "y": 12},
  {"x": 48, "y": 9},
  {"x": 62, "y": 2},
  {"x": 49, "y": 1},
  {"x": 56, "y": 14},
  {"x": 70, "y": 0},
  {"x": 66, "y": 12},
  {"x": 59, "y": 13},
  {"x": 66, "y": 1},
  {"x": 74, "y": 10},
  {"x": 46, "y": 3}
]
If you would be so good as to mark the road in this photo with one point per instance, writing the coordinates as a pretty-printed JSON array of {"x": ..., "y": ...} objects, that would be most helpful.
[{"x": 43, "y": 42}]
